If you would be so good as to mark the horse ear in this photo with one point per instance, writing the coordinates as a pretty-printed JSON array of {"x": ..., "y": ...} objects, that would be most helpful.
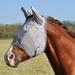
[
  {"x": 26, "y": 12},
  {"x": 36, "y": 15}
]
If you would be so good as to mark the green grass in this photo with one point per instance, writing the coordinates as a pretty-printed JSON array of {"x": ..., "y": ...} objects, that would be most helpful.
[{"x": 38, "y": 65}]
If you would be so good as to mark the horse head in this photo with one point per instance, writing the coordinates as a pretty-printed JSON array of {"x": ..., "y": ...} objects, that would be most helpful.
[{"x": 30, "y": 39}]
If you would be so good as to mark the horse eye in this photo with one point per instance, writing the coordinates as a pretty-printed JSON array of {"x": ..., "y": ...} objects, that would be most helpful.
[{"x": 11, "y": 56}]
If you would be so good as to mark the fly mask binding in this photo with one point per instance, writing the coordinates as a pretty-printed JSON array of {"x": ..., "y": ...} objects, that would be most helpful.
[{"x": 31, "y": 37}]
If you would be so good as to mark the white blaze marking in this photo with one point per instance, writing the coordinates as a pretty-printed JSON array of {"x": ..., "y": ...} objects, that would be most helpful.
[{"x": 10, "y": 50}]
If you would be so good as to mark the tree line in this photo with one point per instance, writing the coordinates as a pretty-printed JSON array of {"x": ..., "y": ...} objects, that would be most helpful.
[
  {"x": 70, "y": 25},
  {"x": 7, "y": 31}
]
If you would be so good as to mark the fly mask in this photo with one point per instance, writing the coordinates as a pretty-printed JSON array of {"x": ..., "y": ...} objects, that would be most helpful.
[{"x": 31, "y": 37}]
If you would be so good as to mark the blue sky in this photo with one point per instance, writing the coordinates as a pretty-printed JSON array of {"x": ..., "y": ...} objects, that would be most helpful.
[{"x": 60, "y": 9}]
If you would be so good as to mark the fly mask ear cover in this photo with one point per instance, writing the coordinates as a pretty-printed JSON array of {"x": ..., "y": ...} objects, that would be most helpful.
[{"x": 31, "y": 38}]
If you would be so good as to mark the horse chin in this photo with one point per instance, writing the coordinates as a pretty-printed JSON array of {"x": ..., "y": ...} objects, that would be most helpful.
[{"x": 13, "y": 65}]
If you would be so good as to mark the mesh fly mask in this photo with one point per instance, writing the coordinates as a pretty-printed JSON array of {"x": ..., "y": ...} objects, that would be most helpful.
[{"x": 31, "y": 37}]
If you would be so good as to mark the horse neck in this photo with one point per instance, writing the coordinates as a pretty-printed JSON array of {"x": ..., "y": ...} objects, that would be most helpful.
[
  {"x": 53, "y": 34},
  {"x": 63, "y": 44},
  {"x": 59, "y": 38}
]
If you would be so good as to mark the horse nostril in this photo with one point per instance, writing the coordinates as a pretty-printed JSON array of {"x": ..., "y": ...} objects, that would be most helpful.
[{"x": 11, "y": 56}]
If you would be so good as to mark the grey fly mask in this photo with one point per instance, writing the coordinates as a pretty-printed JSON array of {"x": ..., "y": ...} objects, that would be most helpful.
[{"x": 31, "y": 37}]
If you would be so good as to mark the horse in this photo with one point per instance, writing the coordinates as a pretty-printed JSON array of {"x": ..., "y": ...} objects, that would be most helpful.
[{"x": 58, "y": 42}]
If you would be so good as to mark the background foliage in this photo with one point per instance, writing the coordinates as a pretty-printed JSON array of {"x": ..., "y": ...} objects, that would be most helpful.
[{"x": 7, "y": 31}]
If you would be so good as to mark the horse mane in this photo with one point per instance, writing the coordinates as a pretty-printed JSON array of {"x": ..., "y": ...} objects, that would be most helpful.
[{"x": 72, "y": 34}]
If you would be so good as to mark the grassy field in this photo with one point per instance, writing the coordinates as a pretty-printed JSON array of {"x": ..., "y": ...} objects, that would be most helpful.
[{"x": 38, "y": 65}]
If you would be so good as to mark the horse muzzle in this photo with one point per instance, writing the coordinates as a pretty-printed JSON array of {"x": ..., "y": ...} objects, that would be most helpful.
[{"x": 12, "y": 63}]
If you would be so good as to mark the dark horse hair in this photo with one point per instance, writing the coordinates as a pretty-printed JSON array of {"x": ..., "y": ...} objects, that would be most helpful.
[{"x": 71, "y": 33}]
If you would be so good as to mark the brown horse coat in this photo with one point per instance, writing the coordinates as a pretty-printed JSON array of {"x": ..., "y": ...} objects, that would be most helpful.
[{"x": 63, "y": 46}]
